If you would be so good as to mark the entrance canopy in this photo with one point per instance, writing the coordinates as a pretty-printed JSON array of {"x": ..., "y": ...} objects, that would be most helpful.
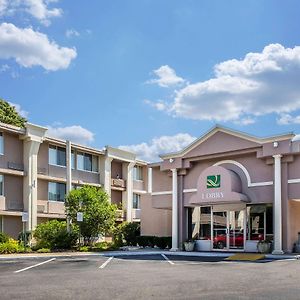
[{"x": 217, "y": 185}]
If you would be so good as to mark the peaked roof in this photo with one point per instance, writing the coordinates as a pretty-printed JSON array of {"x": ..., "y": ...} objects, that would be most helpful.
[{"x": 236, "y": 133}]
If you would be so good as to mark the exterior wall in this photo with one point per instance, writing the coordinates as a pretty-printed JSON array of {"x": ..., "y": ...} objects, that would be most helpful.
[
  {"x": 42, "y": 190},
  {"x": 294, "y": 221},
  {"x": 13, "y": 150},
  {"x": 13, "y": 192},
  {"x": 116, "y": 169},
  {"x": 12, "y": 226},
  {"x": 156, "y": 222},
  {"x": 161, "y": 181},
  {"x": 116, "y": 197},
  {"x": 43, "y": 158},
  {"x": 85, "y": 176}
]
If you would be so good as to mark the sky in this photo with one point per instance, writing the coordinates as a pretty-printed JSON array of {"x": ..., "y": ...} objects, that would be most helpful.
[{"x": 150, "y": 76}]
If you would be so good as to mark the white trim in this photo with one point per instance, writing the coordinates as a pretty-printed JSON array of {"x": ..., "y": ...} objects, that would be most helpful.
[
  {"x": 296, "y": 180},
  {"x": 139, "y": 192},
  {"x": 190, "y": 190},
  {"x": 161, "y": 193},
  {"x": 150, "y": 180},
  {"x": 249, "y": 183}
]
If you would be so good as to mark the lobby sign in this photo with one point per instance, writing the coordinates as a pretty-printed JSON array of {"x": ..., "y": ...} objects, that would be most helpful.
[{"x": 213, "y": 181}]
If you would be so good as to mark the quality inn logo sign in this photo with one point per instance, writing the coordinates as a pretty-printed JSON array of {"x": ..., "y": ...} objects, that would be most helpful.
[{"x": 213, "y": 181}]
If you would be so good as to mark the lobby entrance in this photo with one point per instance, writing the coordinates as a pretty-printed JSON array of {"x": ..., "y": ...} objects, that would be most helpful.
[{"x": 228, "y": 229}]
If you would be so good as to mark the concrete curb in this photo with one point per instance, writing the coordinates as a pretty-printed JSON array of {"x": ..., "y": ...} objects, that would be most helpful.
[{"x": 136, "y": 253}]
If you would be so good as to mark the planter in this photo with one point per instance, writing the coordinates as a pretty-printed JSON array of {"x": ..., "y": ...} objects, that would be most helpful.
[
  {"x": 189, "y": 246},
  {"x": 263, "y": 247}
]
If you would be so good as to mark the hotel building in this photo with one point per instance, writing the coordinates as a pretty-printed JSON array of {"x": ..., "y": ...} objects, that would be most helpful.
[
  {"x": 36, "y": 171},
  {"x": 227, "y": 190}
]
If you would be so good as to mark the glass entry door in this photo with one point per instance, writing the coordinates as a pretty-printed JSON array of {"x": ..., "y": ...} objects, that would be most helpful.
[
  {"x": 228, "y": 230},
  {"x": 219, "y": 230}
]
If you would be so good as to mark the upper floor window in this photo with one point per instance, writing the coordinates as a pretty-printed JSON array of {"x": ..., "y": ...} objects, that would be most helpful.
[
  {"x": 1, "y": 143},
  {"x": 56, "y": 191},
  {"x": 87, "y": 162},
  {"x": 136, "y": 201},
  {"x": 57, "y": 155},
  {"x": 138, "y": 173},
  {"x": 72, "y": 160},
  {"x": 1, "y": 185}
]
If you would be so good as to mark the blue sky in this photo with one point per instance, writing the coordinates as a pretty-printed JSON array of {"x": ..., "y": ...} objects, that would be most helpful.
[{"x": 152, "y": 75}]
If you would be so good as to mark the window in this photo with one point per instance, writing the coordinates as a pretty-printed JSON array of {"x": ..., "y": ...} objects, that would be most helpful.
[
  {"x": 260, "y": 222},
  {"x": 1, "y": 185},
  {"x": 201, "y": 223},
  {"x": 138, "y": 173},
  {"x": 57, "y": 156},
  {"x": 136, "y": 201},
  {"x": 87, "y": 162},
  {"x": 1, "y": 144},
  {"x": 56, "y": 191},
  {"x": 72, "y": 160}
]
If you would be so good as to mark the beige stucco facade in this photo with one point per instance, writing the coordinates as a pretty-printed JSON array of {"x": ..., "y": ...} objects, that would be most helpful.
[{"x": 27, "y": 172}]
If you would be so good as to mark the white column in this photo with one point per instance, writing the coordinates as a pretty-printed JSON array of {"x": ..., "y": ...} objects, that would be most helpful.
[
  {"x": 277, "y": 206},
  {"x": 149, "y": 180},
  {"x": 174, "y": 211},
  {"x": 105, "y": 174},
  {"x": 128, "y": 194}
]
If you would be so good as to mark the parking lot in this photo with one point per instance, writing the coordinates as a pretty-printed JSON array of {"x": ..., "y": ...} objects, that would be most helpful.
[{"x": 156, "y": 276}]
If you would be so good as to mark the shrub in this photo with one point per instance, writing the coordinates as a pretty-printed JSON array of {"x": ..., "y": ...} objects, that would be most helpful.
[
  {"x": 54, "y": 235},
  {"x": 163, "y": 242},
  {"x": 84, "y": 249},
  {"x": 44, "y": 250},
  {"x": 24, "y": 237},
  {"x": 128, "y": 232},
  {"x": 104, "y": 246},
  {"x": 11, "y": 246},
  {"x": 3, "y": 237},
  {"x": 145, "y": 240}
]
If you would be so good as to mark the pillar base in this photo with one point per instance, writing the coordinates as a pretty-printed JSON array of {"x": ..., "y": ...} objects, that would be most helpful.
[
  {"x": 277, "y": 252},
  {"x": 174, "y": 249}
]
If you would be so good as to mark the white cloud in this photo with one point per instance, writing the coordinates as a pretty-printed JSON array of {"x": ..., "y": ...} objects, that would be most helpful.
[
  {"x": 32, "y": 48},
  {"x": 160, "y": 145},
  {"x": 286, "y": 119},
  {"x": 75, "y": 133},
  {"x": 72, "y": 33},
  {"x": 4, "y": 68},
  {"x": 166, "y": 77},
  {"x": 159, "y": 105},
  {"x": 261, "y": 83},
  {"x": 19, "y": 109},
  {"x": 38, "y": 9}
]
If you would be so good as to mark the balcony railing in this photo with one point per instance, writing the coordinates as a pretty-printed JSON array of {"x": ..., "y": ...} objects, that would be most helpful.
[
  {"x": 118, "y": 183},
  {"x": 15, "y": 166},
  {"x": 46, "y": 207}
]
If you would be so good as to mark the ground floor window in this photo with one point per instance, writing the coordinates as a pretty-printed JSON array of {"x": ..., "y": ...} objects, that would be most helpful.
[
  {"x": 259, "y": 222},
  {"x": 136, "y": 201},
  {"x": 201, "y": 223},
  {"x": 56, "y": 191}
]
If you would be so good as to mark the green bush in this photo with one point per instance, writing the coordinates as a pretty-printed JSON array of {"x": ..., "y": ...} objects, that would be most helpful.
[
  {"x": 54, "y": 235},
  {"x": 44, "y": 250},
  {"x": 104, "y": 246},
  {"x": 163, "y": 242},
  {"x": 3, "y": 237},
  {"x": 24, "y": 237},
  {"x": 84, "y": 249},
  {"x": 145, "y": 241},
  {"x": 127, "y": 233},
  {"x": 11, "y": 246}
]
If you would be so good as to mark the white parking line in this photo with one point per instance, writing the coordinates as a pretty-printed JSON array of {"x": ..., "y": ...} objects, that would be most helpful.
[
  {"x": 169, "y": 261},
  {"x": 106, "y": 263},
  {"x": 41, "y": 263}
]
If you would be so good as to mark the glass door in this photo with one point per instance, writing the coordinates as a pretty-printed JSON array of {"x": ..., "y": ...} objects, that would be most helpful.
[
  {"x": 236, "y": 226},
  {"x": 219, "y": 230}
]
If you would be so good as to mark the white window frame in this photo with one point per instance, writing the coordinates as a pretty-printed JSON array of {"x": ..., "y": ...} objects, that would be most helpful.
[
  {"x": 2, "y": 145},
  {"x": 56, "y": 164},
  {"x": 138, "y": 173},
  {"x": 2, "y": 176},
  {"x": 52, "y": 200},
  {"x": 139, "y": 201},
  {"x": 93, "y": 157}
]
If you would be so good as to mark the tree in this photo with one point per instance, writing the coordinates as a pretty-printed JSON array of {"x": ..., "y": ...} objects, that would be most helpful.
[
  {"x": 9, "y": 115},
  {"x": 98, "y": 214}
]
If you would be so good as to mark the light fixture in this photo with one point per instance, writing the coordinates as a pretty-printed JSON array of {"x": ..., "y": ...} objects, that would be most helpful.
[
  {"x": 171, "y": 160},
  {"x": 275, "y": 144}
]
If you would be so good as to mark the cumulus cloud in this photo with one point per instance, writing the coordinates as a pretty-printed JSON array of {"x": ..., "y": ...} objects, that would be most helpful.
[
  {"x": 166, "y": 77},
  {"x": 160, "y": 145},
  {"x": 72, "y": 33},
  {"x": 20, "y": 110},
  {"x": 75, "y": 133},
  {"x": 287, "y": 119},
  {"x": 259, "y": 84},
  {"x": 38, "y": 9},
  {"x": 31, "y": 48}
]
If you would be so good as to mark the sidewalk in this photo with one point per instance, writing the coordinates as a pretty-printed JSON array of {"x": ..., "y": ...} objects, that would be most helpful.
[{"x": 136, "y": 252}]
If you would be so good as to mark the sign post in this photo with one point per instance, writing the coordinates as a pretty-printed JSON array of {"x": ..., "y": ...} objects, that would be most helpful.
[
  {"x": 25, "y": 218},
  {"x": 79, "y": 218}
]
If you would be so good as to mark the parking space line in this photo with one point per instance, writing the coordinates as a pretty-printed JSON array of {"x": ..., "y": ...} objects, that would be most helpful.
[
  {"x": 106, "y": 262},
  {"x": 167, "y": 259},
  {"x": 36, "y": 265}
]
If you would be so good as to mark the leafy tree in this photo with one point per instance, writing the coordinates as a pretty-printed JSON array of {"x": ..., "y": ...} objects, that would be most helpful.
[
  {"x": 9, "y": 115},
  {"x": 98, "y": 213}
]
